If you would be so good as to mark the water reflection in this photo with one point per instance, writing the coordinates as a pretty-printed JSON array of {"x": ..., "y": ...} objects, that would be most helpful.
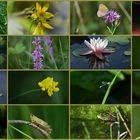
[{"x": 95, "y": 62}]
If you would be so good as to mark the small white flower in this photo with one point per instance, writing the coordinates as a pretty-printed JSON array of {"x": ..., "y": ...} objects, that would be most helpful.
[{"x": 96, "y": 47}]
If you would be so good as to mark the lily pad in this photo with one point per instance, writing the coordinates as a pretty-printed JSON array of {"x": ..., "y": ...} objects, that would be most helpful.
[
  {"x": 78, "y": 51},
  {"x": 127, "y": 53},
  {"x": 118, "y": 39}
]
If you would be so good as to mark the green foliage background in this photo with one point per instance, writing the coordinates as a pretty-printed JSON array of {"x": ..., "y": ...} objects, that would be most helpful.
[
  {"x": 3, "y": 17},
  {"x": 96, "y": 128}
]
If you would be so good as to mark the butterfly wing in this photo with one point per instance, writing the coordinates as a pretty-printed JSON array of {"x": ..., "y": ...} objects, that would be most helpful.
[{"x": 102, "y": 10}]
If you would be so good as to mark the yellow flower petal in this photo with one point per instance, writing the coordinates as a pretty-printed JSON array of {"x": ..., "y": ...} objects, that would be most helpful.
[
  {"x": 48, "y": 15},
  {"x": 49, "y": 85},
  {"x": 46, "y": 25},
  {"x": 56, "y": 89},
  {"x": 45, "y": 8},
  {"x": 36, "y": 30},
  {"x": 34, "y": 16},
  {"x": 38, "y": 7}
]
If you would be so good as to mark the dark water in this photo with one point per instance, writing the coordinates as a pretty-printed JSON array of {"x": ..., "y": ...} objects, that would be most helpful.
[
  {"x": 115, "y": 60},
  {"x": 3, "y": 88}
]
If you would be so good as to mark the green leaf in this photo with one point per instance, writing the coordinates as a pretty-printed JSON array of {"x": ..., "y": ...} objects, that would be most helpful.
[
  {"x": 118, "y": 39},
  {"x": 1, "y": 59},
  {"x": 120, "y": 75},
  {"x": 78, "y": 51},
  {"x": 17, "y": 50}
]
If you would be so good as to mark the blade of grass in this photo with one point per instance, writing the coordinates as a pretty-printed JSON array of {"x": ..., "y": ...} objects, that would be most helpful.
[
  {"x": 109, "y": 88},
  {"x": 124, "y": 11},
  {"x": 60, "y": 44},
  {"x": 26, "y": 92},
  {"x": 26, "y": 135}
]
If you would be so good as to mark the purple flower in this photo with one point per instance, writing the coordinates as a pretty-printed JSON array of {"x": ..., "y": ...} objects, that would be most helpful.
[
  {"x": 111, "y": 16},
  {"x": 52, "y": 51},
  {"x": 48, "y": 40},
  {"x": 37, "y": 54}
]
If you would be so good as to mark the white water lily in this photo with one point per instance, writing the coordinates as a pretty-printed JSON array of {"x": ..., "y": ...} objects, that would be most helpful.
[{"x": 96, "y": 47}]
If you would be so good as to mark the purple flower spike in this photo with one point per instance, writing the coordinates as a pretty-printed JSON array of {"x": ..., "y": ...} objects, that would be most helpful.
[
  {"x": 52, "y": 51},
  {"x": 37, "y": 55},
  {"x": 48, "y": 40},
  {"x": 111, "y": 16}
]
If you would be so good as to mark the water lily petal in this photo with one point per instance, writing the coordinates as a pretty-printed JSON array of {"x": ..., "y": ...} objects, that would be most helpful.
[
  {"x": 88, "y": 44},
  {"x": 97, "y": 40},
  {"x": 86, "y": 53},
  {"x": 99, "y": 54},
  {"x": 105, "y": 43}
]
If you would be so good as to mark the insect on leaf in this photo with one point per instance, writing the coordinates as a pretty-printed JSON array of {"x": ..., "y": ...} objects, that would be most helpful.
[{"x": 40, "y": 123}]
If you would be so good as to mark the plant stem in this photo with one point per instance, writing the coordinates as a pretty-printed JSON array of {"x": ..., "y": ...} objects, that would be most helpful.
[
  {"x": 125, "y": 11},
  {"x": 121, "y": 117},
  {"x": 26, "y": 135},
  {"x": 86, "y": 130},
  {"x": 110, "y": 30},
  {"x": 30, "y": 48},
  {"x": 24, "y": 93},
  {"x": 109, "y": 88},
  {"x": 78, "y": 11},
  {"x": 52, "y": 58},
  {"x": 61, "y": 50},
  {"x": 42, "y": 131}
]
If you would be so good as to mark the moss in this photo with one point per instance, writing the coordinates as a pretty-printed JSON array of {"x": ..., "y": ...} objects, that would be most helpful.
[{"x": 3, "y": 17}]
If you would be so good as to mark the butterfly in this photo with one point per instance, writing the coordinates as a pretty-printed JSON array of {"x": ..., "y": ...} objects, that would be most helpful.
[{"x": 102, "y": 11}]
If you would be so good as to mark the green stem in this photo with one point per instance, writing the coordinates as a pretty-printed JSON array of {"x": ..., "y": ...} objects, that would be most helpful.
[
  {"x": 110, "y": 132},
  {"x": 109, "y": 88},
  {"x": 125, "y": 124},
  {"x": 124, "y": 11},
  {"x": 110, "y": 30},
  {"x": 21, "y": 132},
  {"x": 30, "y": 27},
  {"x": 24, "y": 93},
  {"x": 52, "y": 58},
  {"x": 30, "y": 48},
  {"x": 61, "y": 50}
]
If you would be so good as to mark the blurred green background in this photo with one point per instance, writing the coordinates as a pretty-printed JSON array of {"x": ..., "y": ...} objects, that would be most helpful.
[
  {"x": 85, "y": 87},
  {"x": 135, "y": 52},
  {"x": 20, "y": 49},
  {"x": 86, "y": 125},
  {"x": 136, "y": 87},
  {"x": 20, "y": 25},
  {"x": 3, "y": 121},
  {"x": 3, "y": 17},
  {"x": 94, "y": 25},
  {"x": 135, "y": 122},
  {"x": 3, "y": 52},
  {"x": 23, "y": 81},
  {"x": 55, "y": 116}
]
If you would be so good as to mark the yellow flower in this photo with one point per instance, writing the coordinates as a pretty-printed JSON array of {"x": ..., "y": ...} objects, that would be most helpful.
[
  {"x": 41, "y": 16},
  {"x": 49, "y": 85}
]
